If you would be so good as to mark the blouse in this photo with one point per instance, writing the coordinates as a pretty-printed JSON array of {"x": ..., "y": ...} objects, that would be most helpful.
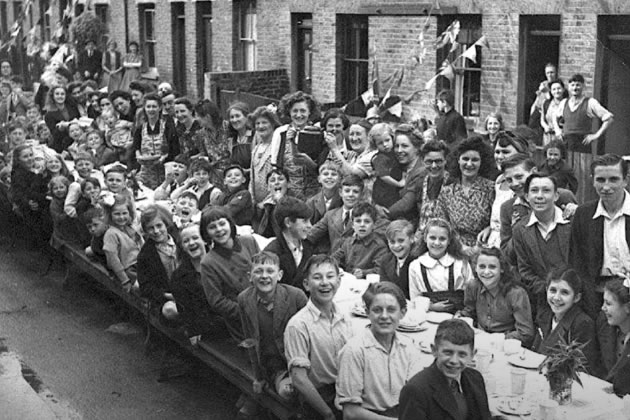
[{"x": 437, "y": 273}]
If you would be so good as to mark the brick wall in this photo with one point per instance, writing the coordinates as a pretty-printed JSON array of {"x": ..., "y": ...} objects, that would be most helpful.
[
  {"x": 222, "y": 33},
  {"x": 270, "y": 83},
  {"x": 192, "y": 52}
]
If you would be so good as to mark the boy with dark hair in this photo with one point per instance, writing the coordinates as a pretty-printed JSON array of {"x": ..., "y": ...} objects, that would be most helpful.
[
  {"x": 200, "y": 183},
  {"x": 186, "y": 210},
  {"x": 266, "y": 307},
  {"x": 337, "y": 224},
  {"x": 94, "y": 220},
  {"x": 358, "y": 254},
  {"x": 328, "y": 198},
  {"x": 174, "y": 176},
  {"x": 314, "y": 337},
  {"x": 292, "y": 215},
  {"x": 236, "y": 199},
  {"x": 450, "y": 125},
  {"x": 448, "y": 389}
]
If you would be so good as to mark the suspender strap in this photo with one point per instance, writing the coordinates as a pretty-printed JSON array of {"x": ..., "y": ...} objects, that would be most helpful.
[
  {"x": 451, "y": 278},
  {"x": 423, "y": 270}
]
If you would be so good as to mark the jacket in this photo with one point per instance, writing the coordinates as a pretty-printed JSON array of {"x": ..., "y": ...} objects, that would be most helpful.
[
  {"x": 617, "y": 368},
  {"x": 291, "y": 274}
]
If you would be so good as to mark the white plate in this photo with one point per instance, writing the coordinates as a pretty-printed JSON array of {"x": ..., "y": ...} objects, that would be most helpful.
[
  {"x": 532, "y": 360},
  {"x": 437, "y": 317},
  {"x": 517, "y": 406},
  {"x": 359, "y": 310},
  {"x": 413, "y": 328}
]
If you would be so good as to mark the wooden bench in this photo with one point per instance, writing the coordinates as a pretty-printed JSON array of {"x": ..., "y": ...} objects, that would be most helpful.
[{"x": 222, "y": 355}]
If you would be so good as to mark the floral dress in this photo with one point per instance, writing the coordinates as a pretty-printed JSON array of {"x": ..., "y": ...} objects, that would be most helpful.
[
  {"x": 153, "y": 143},
  {"x": 468, "y": 210}
]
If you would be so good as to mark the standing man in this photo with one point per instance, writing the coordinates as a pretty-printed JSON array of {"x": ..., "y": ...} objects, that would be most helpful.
[
  {"x": 450, "y": 125},
  {"x": 89, "y": 62},
  {"x": 543, "y": 94},
  {"x": 600, "y": 231},
  {"x": 6, "y": 71}
]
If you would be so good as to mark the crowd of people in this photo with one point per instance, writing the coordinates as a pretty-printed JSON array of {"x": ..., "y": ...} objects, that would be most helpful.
[{"x": 240, "y": 225}]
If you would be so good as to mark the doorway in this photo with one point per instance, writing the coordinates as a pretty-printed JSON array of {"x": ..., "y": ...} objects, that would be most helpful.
[
  {"x": 303, "y": 52},
  {"x": 539, "y": 44},
  {"x": 179, "y": 47}
]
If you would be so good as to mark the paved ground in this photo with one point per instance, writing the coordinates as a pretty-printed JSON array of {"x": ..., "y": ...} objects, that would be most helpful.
[{"x": 81, "y": 370}]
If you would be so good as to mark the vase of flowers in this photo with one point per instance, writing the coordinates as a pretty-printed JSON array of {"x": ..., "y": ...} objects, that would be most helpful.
[{"x": 561, "y": 368}]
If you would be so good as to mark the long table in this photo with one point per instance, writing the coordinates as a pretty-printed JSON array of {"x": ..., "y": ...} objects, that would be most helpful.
[{"x": 594, "y": 401}]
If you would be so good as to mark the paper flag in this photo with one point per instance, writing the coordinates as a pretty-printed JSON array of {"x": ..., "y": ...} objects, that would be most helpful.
[
  {"x": 471, "y": 53},
  {"x": 448, "y": 36},
  {"x": 48, "y": 11},
  {"x": 387, "y": 95},
  {"x": 429, "y": 84},
  {"x": 411, "y": 96},
  {"x": 483, "y": 42},
  {"x": 367, "y": 96},
  {"x": 454, "y": 46},
  {"x": 401, "y": 76},
  {"x": 448, "y": 72},
  {"x": 395, "y": 109}
]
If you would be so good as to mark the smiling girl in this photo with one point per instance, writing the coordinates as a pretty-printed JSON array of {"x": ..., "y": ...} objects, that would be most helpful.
[
  {"x": 496, "y": 301},
  {"x": 441, "y": 272}
]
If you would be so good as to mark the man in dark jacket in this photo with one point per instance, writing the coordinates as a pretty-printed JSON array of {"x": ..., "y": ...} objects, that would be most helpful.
[{"x": 89, "y": 63}]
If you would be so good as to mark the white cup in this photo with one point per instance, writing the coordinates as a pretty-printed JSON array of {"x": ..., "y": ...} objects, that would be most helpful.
[
  {"x": 497, "y": 341},
  {"x": 483, "y": 359},
  {"x": 518, "y": 381},
  {"x": 421, "y": 303},
  {"x": 372, "y": 278},
  {"x": 548, "y": 410},
  {"x": 511, "y": 346}
]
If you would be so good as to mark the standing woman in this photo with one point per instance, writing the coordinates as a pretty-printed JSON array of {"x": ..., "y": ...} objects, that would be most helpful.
[
  {"x": 239, "y": 134},
  {"x": 212, "y": 137},
  {"x": 551, "y": 111},
  {"x": 132, "y": 63},
  {"x": 467, "y": 201},
  {"x": 265, "y": 122},
  {"x": 60, "y": 110},
  {"x": 302, "y": 109},
  {"x": 493, "y": 124},
  {"x": 112, "y": 67},
  {"x": 187, "y": 127},
  {"x": 613, "y": 333},
  {"x": 154, "y": 143}
]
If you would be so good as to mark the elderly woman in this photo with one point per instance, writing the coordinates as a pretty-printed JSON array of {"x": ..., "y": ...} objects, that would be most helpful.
[
  {"x": 467, "y": 201},
  {"x": 60, "y": 110},
  {"x": 265, "y": 123},
  {"x": 301, "y": 108},
  {"x": 408, "y": 141},
  {"x": 359, "y": 160}
]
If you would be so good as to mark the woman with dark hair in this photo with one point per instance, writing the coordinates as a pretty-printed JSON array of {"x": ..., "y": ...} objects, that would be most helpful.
[
  {"x": 239, "y": 134},
  {"x": 433, "y": 154},
  {"x": 467, "y": 201},
  {"x": 335, "y": 123},
  {"x": 551, "y": 109},
  {"x": 186, "y": 127},
  {"x": 265, "y": 123},
  {"x": 613, "y": 333},
  {"x": 564, "y": 318},
  {"x": 132, "y": 62},
  {"x": 302, "y": 110},
  {"x": 225, "y": 269},
  {"x": 60, "y": 110},
  {"x": 213, "y": 135},
  {"x": 555, "y": 165},
  {"x": 408, "y": 141}
]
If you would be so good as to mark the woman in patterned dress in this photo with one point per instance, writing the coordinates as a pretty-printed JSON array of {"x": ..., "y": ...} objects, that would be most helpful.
[
  {"x": 265, "y": 122},
  {"x": 467, "y": 201},
  {"x": 211, "y": 139},
  {"x": 154, "y": 143}
]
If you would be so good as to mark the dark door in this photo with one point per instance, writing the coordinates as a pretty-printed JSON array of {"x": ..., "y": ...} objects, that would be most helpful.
[
  {"x": 352, "y": 31},
  {"x": 540, "y": 44},
  {"x": 179, "y": 47},
  {"x": 304, "y": 52}
]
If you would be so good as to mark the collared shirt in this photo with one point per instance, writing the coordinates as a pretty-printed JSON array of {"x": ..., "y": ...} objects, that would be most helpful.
[
  {"x": 545, "y": 232},
  {"x": 346, "y": 218},
  {"x": 361, "y": 253},
  {"x": 168, "y": 255},
  {"x": 313, "y": 342},
  {"x": 371, "y": 376},
  {"x": 437, "y": 273},
  {"x": 296, "y": 250},
  {"x": 616, "y": 252},
  {"x": 399, "y": 265}
]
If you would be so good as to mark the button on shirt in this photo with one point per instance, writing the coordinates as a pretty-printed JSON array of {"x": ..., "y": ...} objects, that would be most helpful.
[
  {"x": 616, "y": 252},
  {"x": 313, "y": 342},
  {"x": 372, "y": 377},
  {"x": 545, "y": 232}
]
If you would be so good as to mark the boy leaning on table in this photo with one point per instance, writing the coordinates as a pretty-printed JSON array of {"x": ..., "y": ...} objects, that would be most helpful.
[
  {"x": 313, "y": 339},
  {"x": 448, "y": 389}
]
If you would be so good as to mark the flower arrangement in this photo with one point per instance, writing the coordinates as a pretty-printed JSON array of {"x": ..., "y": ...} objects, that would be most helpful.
[{"x": 561, "y": 367}]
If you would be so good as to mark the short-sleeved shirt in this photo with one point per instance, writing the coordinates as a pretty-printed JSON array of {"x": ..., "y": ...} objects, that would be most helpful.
[
  {"x": 314, "y": 342},
  {"x": 372, "y": 377},
  {"x": 125, "y": 245}
]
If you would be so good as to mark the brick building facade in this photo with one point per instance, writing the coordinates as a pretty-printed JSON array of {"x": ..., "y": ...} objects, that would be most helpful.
[{"x": 324, "y": 46}]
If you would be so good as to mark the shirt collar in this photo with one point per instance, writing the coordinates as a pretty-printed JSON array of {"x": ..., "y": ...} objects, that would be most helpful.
[
  {"x": 370, "y": 341},
  {"x": 366, "y": 240},
  {"x": 557, "y": 218},
  {"x": 317, "y": 314},
  {"x": 227, "y": 252},
  {"x": 292, "y": 246},
  {"x": 521, "y": 201},
  {"x": 625, "y": 208},
  {"x": 429, "y": 262}
]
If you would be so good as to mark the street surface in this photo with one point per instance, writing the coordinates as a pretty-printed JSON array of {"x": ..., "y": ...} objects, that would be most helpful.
[{"x": 79, "y": 368}]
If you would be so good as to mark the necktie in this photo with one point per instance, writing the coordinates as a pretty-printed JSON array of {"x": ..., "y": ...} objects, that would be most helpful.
[
  {"x": 462, "y": 407},
  {"x": 346, "y": 220}
]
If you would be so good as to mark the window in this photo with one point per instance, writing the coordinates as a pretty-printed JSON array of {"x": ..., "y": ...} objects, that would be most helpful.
[
  {"x": 17, "y": 10},
  {"x": 352, "y": 31},
  {"x": 147, "y": 32},
  {"x": 204, "y": 29},
  {"x": 44, "y": 5},
  {"x": 3, "y": 19},
  {"x": 467, "y": 81},
  {"x": 100, "y": 10},
  {"x": 245, "y": 51}
]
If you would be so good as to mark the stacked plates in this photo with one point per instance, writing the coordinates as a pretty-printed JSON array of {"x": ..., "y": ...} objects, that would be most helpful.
[
  {"x": 404, "y": 327},
  {"x": 359, "y": 310}
]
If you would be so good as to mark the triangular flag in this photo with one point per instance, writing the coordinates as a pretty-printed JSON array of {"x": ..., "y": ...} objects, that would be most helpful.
[
  {"x": 448, "y": 36},
  {"x": 411, "y": 96},
  {"x": 483, "y": 42},
  {"x": 15, "y": 29},
  {"x": 387, "y": 95},
  {"x": 367, "y": 96},
  {"x": 448, "y": 72},
  {"x": 48, "y": 11},
  {"x": 471, "y": 53},
  {"x": 401, "y": 76},
  {"x": 429, "y": 84},
  {"x": 395, "y": 109},
  {"x": 67, "y": 13}
]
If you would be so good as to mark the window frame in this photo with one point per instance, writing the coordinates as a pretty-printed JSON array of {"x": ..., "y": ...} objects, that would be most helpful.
[
  {"x": 246, "y": 52},
  {"x": 148, "y": 44}
]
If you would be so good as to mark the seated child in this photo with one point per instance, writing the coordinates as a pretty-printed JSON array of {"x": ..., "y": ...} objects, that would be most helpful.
[
  {"x": 389, "y": 179},
  {"x": 65, "y": 228},
  {"x": 359, "y": 253},
  {"x": 83, "y": 168},
  {"x": 94, "y": 220},
  {"x": 375, "y": 364},
  {"x": 291, "y": 247},
  {"x": 116, "y": 181},
  {"x": 236, "y": 199},
  {"x": 102, "y": 154},
  {"x": 43, "y": 134},
  {"x": 314, "y": 337},
  {"x": 174, "y": 176},
  {"x": 328, "y": 234},
  {"x": 158, "y": 257},
  {"x": 496, "y": 301},
  {"x": 394, "y": 266},
  {"x": 266, "y": 307},
  {"x": 90, "y": 194},
  {"x": 441, "y": 271},
  {"x": 122, "y": 242},
  {"x": 33, "y": 118},
  {"x": 186, "y": 210},
  {"x": 199, "y": 183},
  {"x": 458, "y": 386},
  {"x": 555, "y": 165},
  {"x": 277, "y": 187},
  {"x": 118, "y": 135},
  {"x": 328, "y": 198},
  {"x": 76, "y": 133}
]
